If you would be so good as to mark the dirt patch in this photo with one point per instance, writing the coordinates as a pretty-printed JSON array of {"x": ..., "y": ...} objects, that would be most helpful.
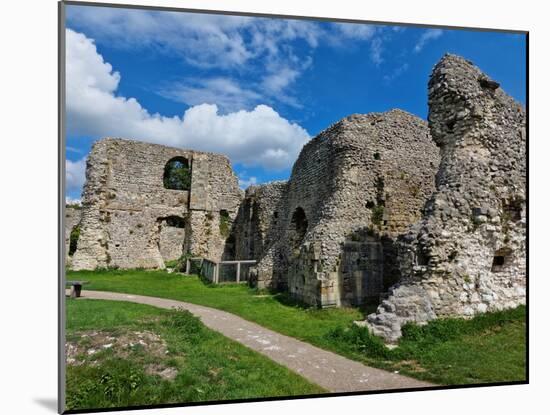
[
  {"x": 411, "y": 365},
  {"x": 168, "y": 373},
  {"x": 90, "y": 347}
]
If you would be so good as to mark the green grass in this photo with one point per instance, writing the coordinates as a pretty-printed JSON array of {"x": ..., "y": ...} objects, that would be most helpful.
[
  {"x": 488, "y": 348},
  {"x": 209, "y": 366},
  {"x": 272, "y": 311}
]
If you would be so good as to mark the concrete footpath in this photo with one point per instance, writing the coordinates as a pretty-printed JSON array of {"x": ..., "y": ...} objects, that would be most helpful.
[{"x": 328, "y": 370}]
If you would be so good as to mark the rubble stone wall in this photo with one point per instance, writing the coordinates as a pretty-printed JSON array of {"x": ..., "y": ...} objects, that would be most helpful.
[
  {"x": 126, "y": 206},
  {"x": 361, "y": 181},
  {"x": 258, "y": 219},
  {"x": 467, "y": 255}
]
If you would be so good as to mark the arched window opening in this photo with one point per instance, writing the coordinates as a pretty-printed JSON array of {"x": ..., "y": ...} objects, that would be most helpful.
[
  {"x": 73, "y": 239},
  {"x": 299, "y": 226},
  {"x": 501, "y": 260},
  {"x": 175, "y": 222},
  {"x": 177, "y": 174}
]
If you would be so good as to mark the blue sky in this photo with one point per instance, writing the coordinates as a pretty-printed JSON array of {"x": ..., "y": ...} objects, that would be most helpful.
[{"x": 255, "y": 89}]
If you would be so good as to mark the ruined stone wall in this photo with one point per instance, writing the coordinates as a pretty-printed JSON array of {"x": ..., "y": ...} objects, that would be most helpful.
[
  {"x": 127, "y": 211},
  {"x": 355, "y": 186},
  {"x": 258, "y": 219},
  {"x": 467, "y": 255},
  {"x": 72, "y": 219}
]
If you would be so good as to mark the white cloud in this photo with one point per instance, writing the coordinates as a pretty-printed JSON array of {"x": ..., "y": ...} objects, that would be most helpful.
[
  {"x": 376, "y": 50},
  {"x": 202, "y": 39},
  {"x": 355, "y": 30},
  {"x": 71, "y": 201},
  {"x": 73, "y": 150},
  {"x": 259, "y": 137},
  {"x": 245, "y": 181},
  {"x": 247, "y": 45},
  {"x": 226, "y": 93},
  {"x": 428, "y": 35},
  {"x": 397, "y": 72},
  {"x": 75, "y": 174},
  {"x": 278, "y": 81}
]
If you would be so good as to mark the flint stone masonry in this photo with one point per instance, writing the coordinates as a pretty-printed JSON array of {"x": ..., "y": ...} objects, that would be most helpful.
[
  {"x": 352, "y": 190},
  {"x": 467, "y": 254},
  {"x": 130, "y": 220},
  {"x": 257, "y": 219}
]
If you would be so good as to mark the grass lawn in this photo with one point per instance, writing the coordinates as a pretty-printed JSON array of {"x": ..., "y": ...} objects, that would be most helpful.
[
  {"x": 489, "y": 348},
  {"x": 125, "y": 354}
]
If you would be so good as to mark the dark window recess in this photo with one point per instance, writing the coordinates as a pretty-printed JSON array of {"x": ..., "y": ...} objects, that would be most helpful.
[
  {"x": 175, "y": 221},
  {"x": 512, "y": 210},
  {"x": 501, "y": 260},
  {"x": 450, "y": 125},
  {"x": 377, "y": 156},
  {"x": 498, "y": 260},
  {"x": 498, "y": 263},
  {"x": 369, "y": 205},
  {"x": 476, "y": 211},
  {"x": 177, "y": 174},
  {"x": 299, "y": 224},
  {"x": 421, "y": 258}
]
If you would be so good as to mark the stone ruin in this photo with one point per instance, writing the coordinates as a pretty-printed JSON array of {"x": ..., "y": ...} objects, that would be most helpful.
[
  {"x": 468, "y": 253},
  {"x": 425, "y": 219},
  {"x": 131, "y": 218},
  {"x": 353, "y": 189}
]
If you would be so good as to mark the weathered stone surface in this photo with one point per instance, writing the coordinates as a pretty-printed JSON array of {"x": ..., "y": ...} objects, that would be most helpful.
[
  {"x": 130, "y": 220},
  {"x": 353, "y": 188},
  {"x": 257, "y": 220},
  {"x": 467, "y": 254}
]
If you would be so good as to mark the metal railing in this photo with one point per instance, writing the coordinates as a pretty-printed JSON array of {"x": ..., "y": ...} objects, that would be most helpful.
[{"x": 216, "y": 272}]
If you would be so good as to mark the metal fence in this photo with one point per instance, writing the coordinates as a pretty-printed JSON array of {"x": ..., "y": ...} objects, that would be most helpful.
[{"x": 223, "y": 271}]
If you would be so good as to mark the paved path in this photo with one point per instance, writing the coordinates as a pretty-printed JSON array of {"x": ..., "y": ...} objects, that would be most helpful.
[{"x": 328, "y": 370}]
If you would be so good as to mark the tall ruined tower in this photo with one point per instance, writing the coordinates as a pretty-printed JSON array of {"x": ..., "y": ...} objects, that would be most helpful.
[
  {"x": 353, "y": 189},
  {"x": 467, "y": 254}
]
